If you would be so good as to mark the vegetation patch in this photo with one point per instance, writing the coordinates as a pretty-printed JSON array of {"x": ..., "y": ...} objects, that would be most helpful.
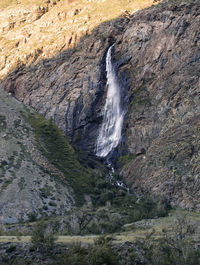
[
  {"x": 43, "y": 237},
  {"x": 174, "y": 246},
  {"x": 110, "y": 209},
  {"x": 125, "y": 159},
  {"x": 46, "y": 192},
  {"x": 17, "y": 123},
  {"x": 140, "y": 97},
  {"x": 54, "y": 145},
  {"x": 21, "y": 183},
  {"x": 3, "y": 123},
  {"x": 6, "y": 184}
]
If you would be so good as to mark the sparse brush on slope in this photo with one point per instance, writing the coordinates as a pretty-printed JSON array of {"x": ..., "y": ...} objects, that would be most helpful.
[{"x": 54, "y": 145}]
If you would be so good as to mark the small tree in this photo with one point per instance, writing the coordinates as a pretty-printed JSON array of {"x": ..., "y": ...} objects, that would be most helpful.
[
  {"x": 43, "y": 237},
  {"x": 84, "y": 217}
]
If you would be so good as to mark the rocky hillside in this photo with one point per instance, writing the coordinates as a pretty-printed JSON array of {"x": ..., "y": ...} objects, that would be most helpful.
[
  {"x": 29, "y": 184},
  {"x": 62, "y": 75},
  {"x": 40, "y": 173}
]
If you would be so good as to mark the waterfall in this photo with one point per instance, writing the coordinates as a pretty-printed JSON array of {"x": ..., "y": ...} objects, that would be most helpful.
[{"x": 110, "y": 131}]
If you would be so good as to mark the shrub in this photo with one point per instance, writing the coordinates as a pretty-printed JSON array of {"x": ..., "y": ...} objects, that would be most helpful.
[
  {"x": 42, "y": 236},
  {"x": 76, "y": 255},
  {"x": 11, "y": 249},
  {"x": 100, "y": 253}
]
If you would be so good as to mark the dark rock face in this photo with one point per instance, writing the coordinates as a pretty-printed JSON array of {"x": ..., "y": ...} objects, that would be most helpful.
[
  {"x": 157, "y": 57},
  {"x": 163, "y": 116}
]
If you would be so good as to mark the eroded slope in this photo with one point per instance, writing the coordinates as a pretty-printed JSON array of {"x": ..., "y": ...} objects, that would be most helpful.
[{"x": 31, "y": 150}]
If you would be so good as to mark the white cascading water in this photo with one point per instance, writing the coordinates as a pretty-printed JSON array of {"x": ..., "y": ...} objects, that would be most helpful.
[{"x": 110, "y": 131}]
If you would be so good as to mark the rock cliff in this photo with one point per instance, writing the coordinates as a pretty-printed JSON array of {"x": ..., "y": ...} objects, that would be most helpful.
[
  {"x": 66, "y": 85},
  {"x": 163, "y": 120},
  {"x": 156, "y": 57}
]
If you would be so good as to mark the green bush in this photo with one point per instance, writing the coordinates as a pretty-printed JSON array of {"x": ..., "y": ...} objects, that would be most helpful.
[
  {"x": 76, "y": 255},
  {"x": 124, "y": 160},
  {"x": 42, "y": 236},
  {"x": 100, "y": 253},
  {"x": 11, "y": 249}
]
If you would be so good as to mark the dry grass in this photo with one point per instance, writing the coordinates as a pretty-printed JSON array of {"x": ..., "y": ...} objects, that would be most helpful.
[
  {"x": 6, "y": 3},
  {"x": 108, "y": 10},
  {"x": 137, "y": 232},
  {"x": 15, "y": 239},
  {"x": 50, "y": 34},
  {"x": 112, "y": 9}
]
